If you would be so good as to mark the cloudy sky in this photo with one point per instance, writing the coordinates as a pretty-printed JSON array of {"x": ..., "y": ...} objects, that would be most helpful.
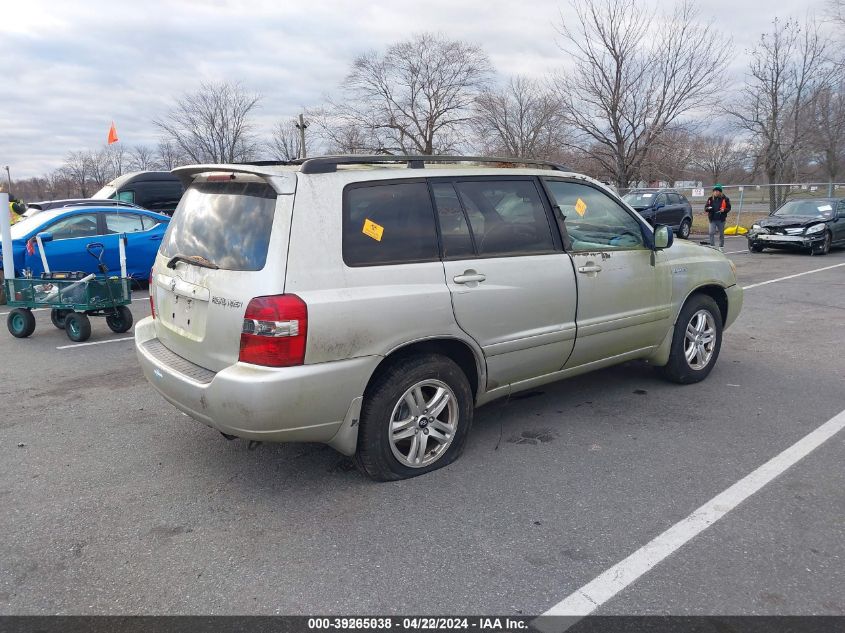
[{"x": 73, "y": 66}]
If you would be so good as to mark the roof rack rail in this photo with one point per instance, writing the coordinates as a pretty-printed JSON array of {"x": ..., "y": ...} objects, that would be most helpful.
[{"x": 328, "y": 164}]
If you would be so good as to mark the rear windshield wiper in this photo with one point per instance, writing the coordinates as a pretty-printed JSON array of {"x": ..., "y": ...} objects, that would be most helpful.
[{"x": 196, "y": 260}]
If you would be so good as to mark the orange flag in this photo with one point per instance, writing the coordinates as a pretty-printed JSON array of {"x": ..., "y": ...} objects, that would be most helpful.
[{"x": 112, "y": 134}]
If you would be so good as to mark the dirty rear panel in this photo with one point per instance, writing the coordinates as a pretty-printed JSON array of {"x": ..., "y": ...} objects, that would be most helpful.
[{"x": 239, "y": 224}]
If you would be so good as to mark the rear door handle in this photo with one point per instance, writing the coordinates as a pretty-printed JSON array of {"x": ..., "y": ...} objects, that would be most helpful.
[
  {"x": 589, "y": 268},
  {"x": 469, "y": 277}
]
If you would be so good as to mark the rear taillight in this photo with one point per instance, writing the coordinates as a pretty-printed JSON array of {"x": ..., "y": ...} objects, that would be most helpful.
[
  {"x": 151, "y": 288},
  {"x": 274, "y": 331}
]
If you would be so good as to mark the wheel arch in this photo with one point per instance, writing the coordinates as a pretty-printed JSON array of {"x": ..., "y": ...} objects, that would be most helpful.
[
  {"x": 716, "y": 292},
  {"x": 466, "y": 356}
]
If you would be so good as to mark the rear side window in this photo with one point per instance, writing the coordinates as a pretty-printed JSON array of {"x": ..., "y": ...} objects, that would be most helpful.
[
  {"x": 506, "y": 217},
  {"x": 227, "y": 223},
  {"x": 123, "y": 223},
  {"x": 388, "y": 224}
]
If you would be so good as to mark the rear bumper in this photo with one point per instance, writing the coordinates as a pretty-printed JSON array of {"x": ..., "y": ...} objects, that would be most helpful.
[{"x": 292, "y": 404}]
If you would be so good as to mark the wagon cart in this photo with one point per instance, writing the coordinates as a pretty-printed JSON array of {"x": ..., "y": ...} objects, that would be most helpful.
[{"x": 71, "y": 301}]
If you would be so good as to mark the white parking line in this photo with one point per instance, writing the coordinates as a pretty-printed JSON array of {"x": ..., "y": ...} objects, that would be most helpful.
[
  {"x": 808, "y": 272},
  {"x": 111, "y": 340},
  {"x": 604, "y": 587},
  {"x": 42, "y": 309}
]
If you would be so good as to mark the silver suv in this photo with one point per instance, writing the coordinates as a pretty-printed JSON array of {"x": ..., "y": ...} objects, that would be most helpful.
[{"x": 372, "y": 303}]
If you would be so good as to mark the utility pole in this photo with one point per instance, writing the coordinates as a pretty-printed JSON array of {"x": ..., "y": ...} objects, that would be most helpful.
[
  {"x": 9, "y": 178},
  {"x": 301, "y": 125}
]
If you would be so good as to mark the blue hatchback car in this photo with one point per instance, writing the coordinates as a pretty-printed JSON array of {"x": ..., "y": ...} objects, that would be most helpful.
[{"x": 66, "y": 233}]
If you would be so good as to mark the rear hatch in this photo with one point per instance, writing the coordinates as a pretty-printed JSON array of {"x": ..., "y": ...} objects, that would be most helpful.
[{"x": 226, "y": 244}]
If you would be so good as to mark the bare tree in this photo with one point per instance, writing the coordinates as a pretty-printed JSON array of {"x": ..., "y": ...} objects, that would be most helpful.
[
  {"x": 787, "y": 72},
  {"x": 169, "y": 155},
  {"x": 717, "y": 156},
  {"x": 628, "y": 87},
  {"x": 286, "y": 142},
  {"x": 143, "y": 158},
  {"x": 213, "y": 124},
  {"x": 836, "y": 10},
  {"x": 337, "y": 133},
  {"x": 415, "y": 97},
  {"x": 522, "y": 119},
  {"x": 78, "y": 169},
  {"x": 101, "y": 167},
  {"x": 827, "y": 134},
  {"x": 669, "y": 157}
]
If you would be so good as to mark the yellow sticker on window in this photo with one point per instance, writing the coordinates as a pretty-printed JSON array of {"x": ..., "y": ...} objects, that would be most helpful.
[
  {"x": 581, "y": 207},
  {"x": 373, "y": 230}
]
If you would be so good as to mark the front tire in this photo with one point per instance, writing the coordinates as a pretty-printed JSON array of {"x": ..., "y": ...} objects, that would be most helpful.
[
  {"x": 415, "y": 418},
  {"x": 824, "y": 248},
  {"x": 77, "y": 327},
  {"x": 755, "y": 248},
  {"x": 120, "y": 320},
  {"x": 696, "y": 341},
  {"x": 21, "y": 322}
]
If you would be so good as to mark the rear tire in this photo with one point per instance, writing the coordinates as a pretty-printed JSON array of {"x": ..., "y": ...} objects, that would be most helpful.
[
  {"x": 78, "y": 327},
  {"x": 696, "y": 341},
  {"x": 21, "y": 322},
  {"x": 58, "y": 317},
  {"x": 415, "y": 418},
  {"x": 684, "y": 229},
  {"x": 120, "y": 320}
]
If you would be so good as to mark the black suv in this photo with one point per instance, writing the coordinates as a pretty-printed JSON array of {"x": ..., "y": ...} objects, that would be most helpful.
[{"x": 662, "y": 206}]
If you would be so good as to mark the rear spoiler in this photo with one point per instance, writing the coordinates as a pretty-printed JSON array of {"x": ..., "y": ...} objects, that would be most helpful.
[{"x": 284, "y": 182}]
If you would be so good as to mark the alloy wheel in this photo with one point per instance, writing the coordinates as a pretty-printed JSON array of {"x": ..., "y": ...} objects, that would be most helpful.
[
  {"x": 700, "y": 340},
  {"x": 423, "y": 423}
]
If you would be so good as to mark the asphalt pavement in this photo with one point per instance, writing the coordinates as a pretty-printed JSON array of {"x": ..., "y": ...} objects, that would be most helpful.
[{"x": 115, "y": 503}]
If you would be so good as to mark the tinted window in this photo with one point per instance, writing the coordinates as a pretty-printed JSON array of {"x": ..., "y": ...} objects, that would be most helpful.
[
  {"x": 125, "y": 196},
  {"x": 506, "y": 217},
  {"x": 661, "y": 199},
  {"x": 84, "y": 225},
  {"x": 594, "y": 220},
  {"x": 674, "y": 198},
  {"x": 388, "y": 224},
  {"x": 454, "y": 231},
  {"x": 228, "y": 223},
  {"x": 123, "y": 223},
  {"x": 159, "y": 194}
]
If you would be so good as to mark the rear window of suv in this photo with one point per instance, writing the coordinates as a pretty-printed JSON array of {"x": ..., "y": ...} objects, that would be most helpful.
[
  {"x": 388, "y": 224},
  {"x": 227, "y": 223}
]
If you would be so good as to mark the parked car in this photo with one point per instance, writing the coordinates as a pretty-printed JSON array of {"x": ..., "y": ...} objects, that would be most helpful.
[
  {"x": 662, "y": 206},
  {"x": 34, "y": 208},
  {"x": 67, "y": 231},
  {"x": 374, "y": 309},
  {"x": 154, "y": 190},
  {"x": 815, "y": 225}
]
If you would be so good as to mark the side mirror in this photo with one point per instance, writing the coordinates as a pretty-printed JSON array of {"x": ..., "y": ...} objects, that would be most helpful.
[
  {"x": 46, "y": 236},
  {"x": 663, "y": 237},
  {"x": 659, "y": 206}
]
